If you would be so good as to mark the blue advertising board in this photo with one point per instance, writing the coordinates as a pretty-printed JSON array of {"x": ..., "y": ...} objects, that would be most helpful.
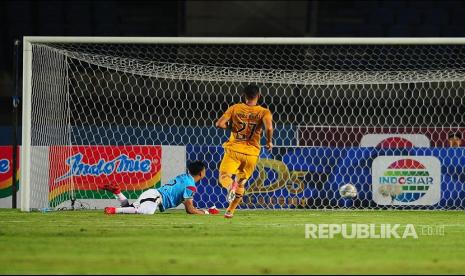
[{"x": 309, "y": 177}]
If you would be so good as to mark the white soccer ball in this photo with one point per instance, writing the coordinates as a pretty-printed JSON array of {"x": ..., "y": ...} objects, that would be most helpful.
[{"x": 348, "y": 191}]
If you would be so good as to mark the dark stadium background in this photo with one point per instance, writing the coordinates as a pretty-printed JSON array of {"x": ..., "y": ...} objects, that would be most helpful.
[{"x": 216, "y": 18}]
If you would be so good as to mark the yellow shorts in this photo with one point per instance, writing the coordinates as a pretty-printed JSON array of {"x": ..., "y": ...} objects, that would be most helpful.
[{"x": 242, "y": 165}]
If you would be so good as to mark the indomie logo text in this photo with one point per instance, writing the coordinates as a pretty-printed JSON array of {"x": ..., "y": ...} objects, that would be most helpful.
[
  {"x": 4, "y": 165},
  {"x": 121, "y": 164}
]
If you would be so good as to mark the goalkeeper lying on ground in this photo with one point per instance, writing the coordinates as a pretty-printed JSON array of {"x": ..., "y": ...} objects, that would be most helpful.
[{"x": 178, "y": 190}]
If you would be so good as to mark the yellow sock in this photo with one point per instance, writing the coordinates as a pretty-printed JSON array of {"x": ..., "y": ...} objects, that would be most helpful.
[{"x": 237, "y": 199}]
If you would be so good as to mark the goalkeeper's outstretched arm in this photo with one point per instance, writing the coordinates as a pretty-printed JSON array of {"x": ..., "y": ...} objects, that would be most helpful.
[{"x": 190, "y": 209}]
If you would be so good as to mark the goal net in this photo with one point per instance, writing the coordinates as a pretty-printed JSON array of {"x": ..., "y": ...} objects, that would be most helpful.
[{"x": 375, "y": 113}]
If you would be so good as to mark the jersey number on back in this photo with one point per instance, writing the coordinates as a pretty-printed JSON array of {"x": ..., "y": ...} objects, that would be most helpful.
[{"x": 242, "y": 134}]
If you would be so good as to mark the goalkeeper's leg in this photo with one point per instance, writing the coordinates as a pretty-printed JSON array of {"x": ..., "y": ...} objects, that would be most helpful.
[
  {"x": 146, "y": 208},
  {"x": 116, "y": 190},
  {"x": 147, "y": 203}
]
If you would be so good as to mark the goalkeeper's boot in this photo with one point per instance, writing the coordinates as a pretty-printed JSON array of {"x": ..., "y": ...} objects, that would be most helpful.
[
  {"x": 232, "y": 192},
  {"x": 110, "y": 210},
  {"x": 228, "y": 215},
  {"x": 111, "y": 187}
]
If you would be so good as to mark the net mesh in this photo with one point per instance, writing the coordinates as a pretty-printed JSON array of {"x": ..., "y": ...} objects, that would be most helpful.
[{"x": 375, "y": 116}]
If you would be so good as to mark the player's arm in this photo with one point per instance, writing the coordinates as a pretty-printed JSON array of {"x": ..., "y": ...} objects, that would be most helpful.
[
  {"x": 190, "y": 209},
  {"x": 223, "y": 120},
  {"x": 189, "y": 203},
  {"x": 268, "y": 123}
]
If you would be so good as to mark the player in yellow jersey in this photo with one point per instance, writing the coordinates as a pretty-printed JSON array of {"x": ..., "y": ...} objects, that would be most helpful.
[{"x": 246, "y": 121}]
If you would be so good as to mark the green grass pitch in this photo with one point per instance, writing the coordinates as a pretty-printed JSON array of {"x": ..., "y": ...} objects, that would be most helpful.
[{"x": 255, "y": 242}]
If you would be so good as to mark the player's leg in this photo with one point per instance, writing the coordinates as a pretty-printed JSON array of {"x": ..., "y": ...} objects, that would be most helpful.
[
  {"x": 149, "y": 206},
  {"x": 147, "y": 203},
  {"x": 120, "y": 210},
  {"x": 145, "y": 208},
  {"x": 116, "y": 190},
  {"x": 245, "y": 171},
  {"x": 228, "y": 167}
]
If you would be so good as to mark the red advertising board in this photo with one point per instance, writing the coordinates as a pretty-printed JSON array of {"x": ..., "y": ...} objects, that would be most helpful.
[
  {"x": 6, "y": 172},
  {"x": 82, "y": 169}
]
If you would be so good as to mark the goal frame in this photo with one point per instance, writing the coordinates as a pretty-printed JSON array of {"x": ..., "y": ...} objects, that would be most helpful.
[{"x": 25, "y": 160}]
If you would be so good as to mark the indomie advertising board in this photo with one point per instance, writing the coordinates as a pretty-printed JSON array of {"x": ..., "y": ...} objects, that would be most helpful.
[{"x": 78, "y": 171}]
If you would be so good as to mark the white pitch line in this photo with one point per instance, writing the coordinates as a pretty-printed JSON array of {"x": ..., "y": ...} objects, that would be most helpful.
[{"x": 247, "y": 224}]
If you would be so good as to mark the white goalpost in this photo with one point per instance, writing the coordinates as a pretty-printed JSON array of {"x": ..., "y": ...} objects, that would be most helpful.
[{"x": 377, "y": 113}]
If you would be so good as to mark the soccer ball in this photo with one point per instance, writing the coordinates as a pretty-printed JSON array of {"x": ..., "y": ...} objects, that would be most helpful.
[{"x": 348, "y": 191}]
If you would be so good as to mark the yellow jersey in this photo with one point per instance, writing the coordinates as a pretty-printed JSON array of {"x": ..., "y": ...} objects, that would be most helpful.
[{"x": 246, "y": 128}]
